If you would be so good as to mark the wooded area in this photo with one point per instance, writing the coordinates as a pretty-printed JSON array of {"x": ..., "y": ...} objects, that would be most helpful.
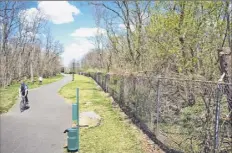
[
  {"x": 27, "y": 46},
  {"x": 179, "y": 52},
  {"x": 172, "y": 36}
]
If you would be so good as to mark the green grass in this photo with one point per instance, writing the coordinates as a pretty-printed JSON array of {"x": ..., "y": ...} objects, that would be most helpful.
[
  {"x": 9, "y": 94},
  {"x": 114, "y": 135}
]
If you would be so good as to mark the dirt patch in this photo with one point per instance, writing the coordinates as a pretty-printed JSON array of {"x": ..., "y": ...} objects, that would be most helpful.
[{"x": 89, "y": 118}]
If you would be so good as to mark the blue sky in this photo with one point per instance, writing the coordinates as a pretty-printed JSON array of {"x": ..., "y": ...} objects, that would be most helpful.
[
  {"x": 84, "y": 19},
  {"x": 72, "y": 23}
]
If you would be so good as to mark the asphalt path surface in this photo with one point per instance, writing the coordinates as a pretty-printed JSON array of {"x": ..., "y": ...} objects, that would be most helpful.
[{"x": 40, "y": 128}]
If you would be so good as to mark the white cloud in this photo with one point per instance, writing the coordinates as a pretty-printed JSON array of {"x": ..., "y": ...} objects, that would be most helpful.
[
  {"x": 122, "y": 26},
  {"x": 28, "y": 18},
  {"x": 82, "y": 44},
  {"x": 28, "y": 15},
  {"x": 76, "y": 50},
  {"x": 88, "y": 32},
  {"x": 31, "y": 15},
  {"x": 58, "y": 11}
]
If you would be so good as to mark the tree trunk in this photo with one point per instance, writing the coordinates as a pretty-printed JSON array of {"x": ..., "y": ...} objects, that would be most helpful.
[
  {"x": 225, "y": 66},
  {"x": 20, "y": 65},
  {"x": 31, "y": 65}
]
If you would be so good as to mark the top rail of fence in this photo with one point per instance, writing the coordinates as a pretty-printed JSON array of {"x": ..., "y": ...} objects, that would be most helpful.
[{"x": 177, "y": 79}]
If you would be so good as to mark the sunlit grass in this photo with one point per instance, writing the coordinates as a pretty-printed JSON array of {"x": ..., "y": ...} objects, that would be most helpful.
[{"x": 114, "y": 135}]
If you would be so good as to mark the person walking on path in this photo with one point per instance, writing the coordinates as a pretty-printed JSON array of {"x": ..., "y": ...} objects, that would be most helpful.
[{"x": 40, "y": 80}]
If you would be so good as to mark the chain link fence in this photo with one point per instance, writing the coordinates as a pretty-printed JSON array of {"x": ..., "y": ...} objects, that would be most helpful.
[{"x": 179, "y": 115}]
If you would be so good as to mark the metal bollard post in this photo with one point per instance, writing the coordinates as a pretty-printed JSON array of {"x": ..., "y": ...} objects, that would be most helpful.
[
  {"x": 74, "y": 113},
  {"x": 72, "y": 139},
  {"x": 78, "y": 145},
  {"x": 73, "y": 132}
]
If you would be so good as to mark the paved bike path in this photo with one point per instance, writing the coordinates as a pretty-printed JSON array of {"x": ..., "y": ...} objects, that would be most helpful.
[{"x": 40, "y": 128}]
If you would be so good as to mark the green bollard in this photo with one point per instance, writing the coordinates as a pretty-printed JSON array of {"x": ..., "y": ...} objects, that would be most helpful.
[
  {"x": 72, "y": 139},
  {"x": 75, "y": 110},
  {"x": 73, "y": 133},
  {"x": 74, "y": 113},
  {"x": 78, "y": 145}
]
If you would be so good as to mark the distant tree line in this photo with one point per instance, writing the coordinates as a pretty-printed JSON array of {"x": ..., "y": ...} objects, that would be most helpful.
[{"x": 27, "y": 48}]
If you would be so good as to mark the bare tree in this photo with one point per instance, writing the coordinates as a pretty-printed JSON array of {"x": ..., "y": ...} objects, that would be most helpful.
[{"x": 21, "y": 43}]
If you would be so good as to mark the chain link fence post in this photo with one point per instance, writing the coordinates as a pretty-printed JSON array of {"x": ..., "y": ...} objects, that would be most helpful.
[
  {"x": 121, "y": 91},
  {"x": 157, "y": 106},
  {"x": 217, "y": 118}
]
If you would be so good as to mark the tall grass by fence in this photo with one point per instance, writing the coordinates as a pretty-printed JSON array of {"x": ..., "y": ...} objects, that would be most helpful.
[{"x": 179, "y": 115}]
